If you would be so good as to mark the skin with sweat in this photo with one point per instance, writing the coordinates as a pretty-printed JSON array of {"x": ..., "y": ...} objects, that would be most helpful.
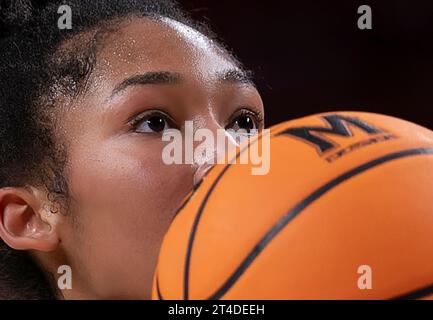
[{"x": 124, "y": 195}]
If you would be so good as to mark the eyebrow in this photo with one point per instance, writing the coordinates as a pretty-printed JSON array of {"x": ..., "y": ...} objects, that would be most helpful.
[
  {"x": 237, "y": 76},
  {"x": 165, "y": 77},
  {"x": 161, "y": 77}
]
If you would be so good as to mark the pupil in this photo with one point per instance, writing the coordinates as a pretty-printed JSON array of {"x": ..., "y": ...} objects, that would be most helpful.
[
  {"x": 246, "y": 123},
  {"x": 156, "y": 124}
]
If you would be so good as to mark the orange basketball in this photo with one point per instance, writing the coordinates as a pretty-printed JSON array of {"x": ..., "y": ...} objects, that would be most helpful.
[{"x": 345, "y": 212}]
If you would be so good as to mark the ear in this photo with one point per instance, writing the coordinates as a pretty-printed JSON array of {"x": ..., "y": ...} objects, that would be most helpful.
[{"x": 25, "y": 224}]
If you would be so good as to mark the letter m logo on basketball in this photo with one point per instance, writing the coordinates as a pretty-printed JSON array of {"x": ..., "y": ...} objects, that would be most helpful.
[{"x": 337, "y": 125}]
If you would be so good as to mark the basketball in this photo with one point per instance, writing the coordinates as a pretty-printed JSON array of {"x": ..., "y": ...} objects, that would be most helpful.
[{"x": 345, "y": 212}]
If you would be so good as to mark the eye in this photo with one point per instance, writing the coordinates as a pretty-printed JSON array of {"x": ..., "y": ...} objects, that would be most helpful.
[
  {"x": 154, "y": 122},
  {"x": 245, "y": 119}
]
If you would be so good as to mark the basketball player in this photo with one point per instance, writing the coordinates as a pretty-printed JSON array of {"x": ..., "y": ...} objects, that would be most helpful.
[{"x": 82, "y": 112}]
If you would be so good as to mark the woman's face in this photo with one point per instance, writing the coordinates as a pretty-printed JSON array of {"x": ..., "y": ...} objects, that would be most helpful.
[{"x": 149, "y": 76}]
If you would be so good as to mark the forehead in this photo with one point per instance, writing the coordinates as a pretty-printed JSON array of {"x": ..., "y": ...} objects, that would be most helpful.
[{"x": 143, "y": 45}]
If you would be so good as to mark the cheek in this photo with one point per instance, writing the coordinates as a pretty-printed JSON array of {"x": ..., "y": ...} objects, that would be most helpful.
[
  {"x": 125, "y": 198},
  {"x": 122, "y": 176}
]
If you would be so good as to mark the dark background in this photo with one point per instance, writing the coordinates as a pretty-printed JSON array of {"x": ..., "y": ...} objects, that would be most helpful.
[{"x": 309, "y": 56}]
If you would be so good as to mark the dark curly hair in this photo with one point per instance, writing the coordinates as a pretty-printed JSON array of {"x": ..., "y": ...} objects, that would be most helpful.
[{"x": 34, "y": 72}]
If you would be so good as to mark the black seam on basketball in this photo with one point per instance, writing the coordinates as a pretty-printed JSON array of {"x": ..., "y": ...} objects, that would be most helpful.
[
  {"x": 194, "y": 191},
  {"x": 198, "y": 216},
  {"x": 186, "y": 201},
  {"x": 158, "y": 290},
  {"x": 416, "y": 294},
  {"x": 289, "y": 216}
]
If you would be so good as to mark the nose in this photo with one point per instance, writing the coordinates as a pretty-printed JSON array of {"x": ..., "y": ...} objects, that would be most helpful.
[
  {"x": 201, "y": 172},
  {"x": 217, "y": 147}
]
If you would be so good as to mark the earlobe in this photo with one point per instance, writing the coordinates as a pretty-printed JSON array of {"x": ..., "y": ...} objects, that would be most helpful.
[{"x": 21, "y": 224}]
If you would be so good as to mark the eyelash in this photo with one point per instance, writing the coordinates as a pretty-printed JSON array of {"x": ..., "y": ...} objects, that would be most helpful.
[
  {"x": 136, "y": 120},
  {"x": 245, "y": 111}
]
